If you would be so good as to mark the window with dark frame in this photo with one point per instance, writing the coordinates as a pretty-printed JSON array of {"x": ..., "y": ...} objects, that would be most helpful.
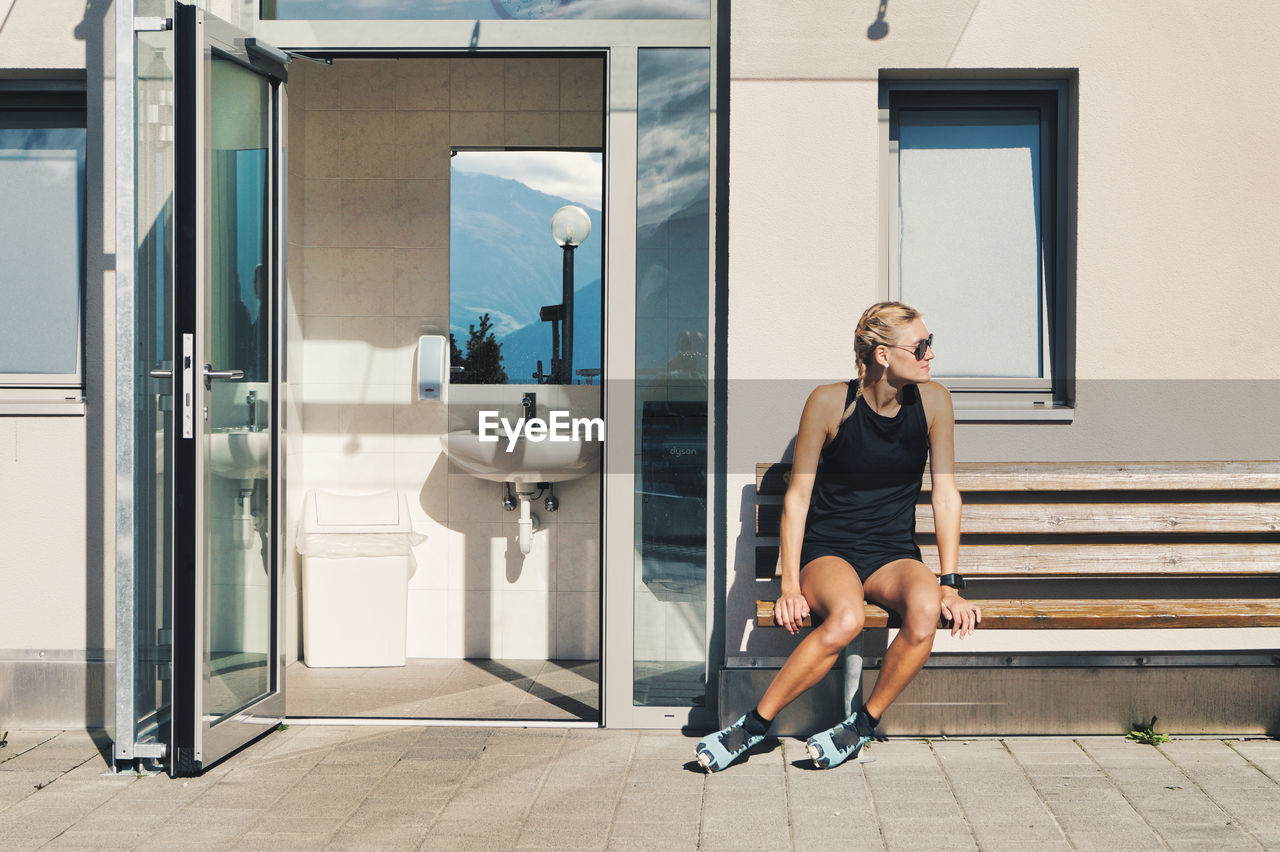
[
  {"x": 42, "y": 228},
  {"x": 976, "y": 224}
]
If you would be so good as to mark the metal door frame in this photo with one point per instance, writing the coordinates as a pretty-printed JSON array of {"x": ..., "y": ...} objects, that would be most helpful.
[
  {"x": 195, "y": 742},
  {"x": 620, "y": 41}
]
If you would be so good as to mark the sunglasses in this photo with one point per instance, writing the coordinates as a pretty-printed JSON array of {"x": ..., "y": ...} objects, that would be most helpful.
[{"x": 919, "y": 350}]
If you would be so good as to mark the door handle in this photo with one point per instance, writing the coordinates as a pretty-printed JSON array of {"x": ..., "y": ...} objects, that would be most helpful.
[
  {"x": 160, "y": 373},
  {"x": 210, "y": 374}
]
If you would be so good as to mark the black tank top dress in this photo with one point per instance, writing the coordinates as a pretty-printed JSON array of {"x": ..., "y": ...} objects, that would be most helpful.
[{"x": 863, "y": 507}]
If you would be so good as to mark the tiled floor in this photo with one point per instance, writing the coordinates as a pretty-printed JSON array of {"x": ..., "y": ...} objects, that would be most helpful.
[
  {"x": 552, "y": 690},
  {"x": 457, "y": 789}
]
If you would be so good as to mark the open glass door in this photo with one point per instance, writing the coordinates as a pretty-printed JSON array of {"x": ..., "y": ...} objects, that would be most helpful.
[
  {"x": 144, "y": 569},
  {"x": 229, "y": 108}
]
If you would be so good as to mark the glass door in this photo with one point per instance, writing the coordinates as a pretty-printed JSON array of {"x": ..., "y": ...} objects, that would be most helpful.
[
  {"x": 150, "y": 645},
  {"x": 228, "y": 685}
]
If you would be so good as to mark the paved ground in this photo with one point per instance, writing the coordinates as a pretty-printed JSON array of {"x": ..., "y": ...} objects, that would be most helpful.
[{"x": 475, "y": 788}]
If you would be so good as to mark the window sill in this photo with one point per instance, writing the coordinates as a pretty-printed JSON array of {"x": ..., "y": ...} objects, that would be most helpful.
[
  {"x": 16, "y": 407},
  {"x": 1012, "y": 412}
]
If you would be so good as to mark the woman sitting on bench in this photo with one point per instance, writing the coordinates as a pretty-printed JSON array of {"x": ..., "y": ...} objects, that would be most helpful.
[{"x": 851, "y": 533}]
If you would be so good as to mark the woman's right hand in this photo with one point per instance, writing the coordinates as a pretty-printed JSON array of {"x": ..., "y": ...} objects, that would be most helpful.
[{"x": 790, "y": 611}]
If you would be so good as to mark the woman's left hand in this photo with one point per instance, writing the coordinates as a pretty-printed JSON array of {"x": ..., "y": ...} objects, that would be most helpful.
[{"x": 964, "y": 615}]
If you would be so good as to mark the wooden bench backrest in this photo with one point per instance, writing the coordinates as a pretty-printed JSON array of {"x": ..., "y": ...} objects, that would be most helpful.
[
  {"x": 772, "y": 477},
  {"x": 1094, "y": 518}
]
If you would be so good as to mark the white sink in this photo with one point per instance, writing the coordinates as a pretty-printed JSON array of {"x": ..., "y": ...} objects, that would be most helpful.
[
  {"x": 240, "y": 453},
  {"x": 528, "y": 461}
]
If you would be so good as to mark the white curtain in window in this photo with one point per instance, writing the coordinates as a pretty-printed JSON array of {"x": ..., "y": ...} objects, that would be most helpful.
[{"x": 969, "y": 237}]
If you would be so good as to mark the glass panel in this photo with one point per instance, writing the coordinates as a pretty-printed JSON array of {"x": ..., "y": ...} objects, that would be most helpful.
[
  {"x": 153, "y": 398},
  {"x": 41, "y": 242},
  {"x": 240, "y": 600},
  {"x": 969, "y": 207},
  {"x": 480, "y": 10},
  {"x": 673, "y": 174},
  {"x": 157, "y": 8},
  {"x": 507, "y": 273}
]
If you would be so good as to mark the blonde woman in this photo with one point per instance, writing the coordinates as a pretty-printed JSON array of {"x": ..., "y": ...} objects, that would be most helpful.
[{"x": 848, "y": 532}]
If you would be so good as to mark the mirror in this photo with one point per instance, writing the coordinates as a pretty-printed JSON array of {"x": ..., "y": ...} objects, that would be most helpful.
[{"x": 508, "y": 273}]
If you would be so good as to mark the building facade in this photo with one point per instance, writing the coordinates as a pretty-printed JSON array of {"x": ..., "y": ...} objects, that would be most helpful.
[{"x": 273, "y": 190}]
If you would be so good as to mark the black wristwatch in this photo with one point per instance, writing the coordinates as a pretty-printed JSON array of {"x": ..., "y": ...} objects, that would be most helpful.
[{"x": 955, "y": 581}]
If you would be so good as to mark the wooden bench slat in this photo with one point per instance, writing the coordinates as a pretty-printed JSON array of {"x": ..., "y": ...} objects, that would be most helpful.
[
  {"x": 1071, "y": 560},
  {"x": 1097, "y": 614},
  {"x": 772, "y": 478},
  {"x": 1122, "y": 518},
  {"x": 1084, "y": 518}
]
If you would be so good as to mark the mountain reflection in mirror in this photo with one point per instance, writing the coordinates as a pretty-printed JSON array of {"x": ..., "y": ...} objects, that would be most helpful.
[{"x": 506, "y": 271}]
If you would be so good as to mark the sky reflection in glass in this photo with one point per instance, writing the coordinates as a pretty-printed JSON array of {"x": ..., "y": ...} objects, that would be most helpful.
[{"x": 470, "y": 10}]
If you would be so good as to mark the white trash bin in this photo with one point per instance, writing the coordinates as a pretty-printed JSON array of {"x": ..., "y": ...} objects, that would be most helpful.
[{"x": 356, "y": 562}]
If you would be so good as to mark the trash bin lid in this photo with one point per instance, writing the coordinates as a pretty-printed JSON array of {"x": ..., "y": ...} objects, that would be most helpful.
[{"x": 325, "y": 512}]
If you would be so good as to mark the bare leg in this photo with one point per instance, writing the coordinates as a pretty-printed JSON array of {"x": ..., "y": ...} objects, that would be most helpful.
[
  {"x": 907, "y": 587},
  {"x": 834, "y": 593}
]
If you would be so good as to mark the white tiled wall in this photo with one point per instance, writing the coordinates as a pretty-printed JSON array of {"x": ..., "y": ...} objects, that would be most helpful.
[{"x": 369, "y": 255}]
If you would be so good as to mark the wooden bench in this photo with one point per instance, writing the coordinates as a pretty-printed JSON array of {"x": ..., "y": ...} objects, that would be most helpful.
[{"x": 1091, "y": 523}]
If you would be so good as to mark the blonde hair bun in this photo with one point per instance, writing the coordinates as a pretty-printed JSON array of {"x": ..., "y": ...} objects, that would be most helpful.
[{"x": 880, "y": 325}]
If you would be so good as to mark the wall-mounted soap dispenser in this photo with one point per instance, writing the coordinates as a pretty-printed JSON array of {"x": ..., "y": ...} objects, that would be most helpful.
[{"x": 433, "y": 367}]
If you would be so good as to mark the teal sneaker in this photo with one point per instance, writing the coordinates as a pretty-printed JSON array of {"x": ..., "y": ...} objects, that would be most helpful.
[
  {"x": 846, "y": 740},
  {"x": 716, "y": 751}
]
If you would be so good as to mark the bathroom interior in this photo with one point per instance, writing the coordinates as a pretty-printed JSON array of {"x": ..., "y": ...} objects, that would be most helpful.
[
  {"x": 385, "y": 226},
  {"x": 491, "y": 632}
]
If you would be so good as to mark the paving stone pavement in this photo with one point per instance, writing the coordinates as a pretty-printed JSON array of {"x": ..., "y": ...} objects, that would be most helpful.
[{"x": 357, "y": 787}]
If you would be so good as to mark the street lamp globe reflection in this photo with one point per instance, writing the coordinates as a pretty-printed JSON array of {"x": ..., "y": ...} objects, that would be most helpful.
[{"x": 570, "y": 226}]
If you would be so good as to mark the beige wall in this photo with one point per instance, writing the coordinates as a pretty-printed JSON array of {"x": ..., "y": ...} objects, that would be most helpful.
[
  {"x": 1175, "y": 173},
  {"x": 43, "y": 503},
  {"x": 1176, "y": 265},
  {"x": 47, "y": 33},
  {"x": 369, "y": 234},
  {"x": 56, "y": 473}
]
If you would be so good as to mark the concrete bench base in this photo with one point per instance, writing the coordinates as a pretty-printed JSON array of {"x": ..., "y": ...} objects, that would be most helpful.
[{"x": 989, "y": 701}]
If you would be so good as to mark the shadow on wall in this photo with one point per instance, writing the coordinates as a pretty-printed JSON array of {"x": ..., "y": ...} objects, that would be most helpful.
[
  {"x": 880, "y": 27},
  {"x": 742, "y": 639},
  {"x": 748, "y": 586},
  {"x": 475, "y": 595},
  {"x": 93, "y": 31}
]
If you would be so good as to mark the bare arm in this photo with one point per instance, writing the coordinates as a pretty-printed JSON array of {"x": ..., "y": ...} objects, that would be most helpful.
[
  {"x": 944, "y": 495},
  {"x": 821, "y": 415},
  {"x": 946, "y": 502}
]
